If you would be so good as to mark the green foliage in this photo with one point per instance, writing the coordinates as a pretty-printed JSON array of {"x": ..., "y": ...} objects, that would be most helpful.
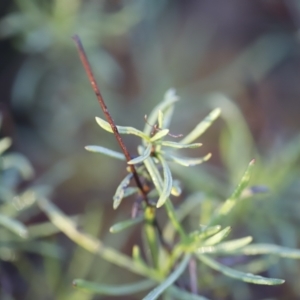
[{"x": 169, "y": 254}]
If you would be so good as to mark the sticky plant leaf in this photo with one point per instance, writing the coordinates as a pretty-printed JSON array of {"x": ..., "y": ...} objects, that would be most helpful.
[
  {"x": 218, "y": 237},
  {"x": 188, "y": 162},
  {"x": 259, "y": 249},
  {"x": 13, "y": 226},
  {"x": 181, "y": 294},
  {"x": 154, "y": 294},
  {"x": 113, "y": 290},
  {"x": 201, "y": 127},
  {"x": 122, "y": 129},
  {"x": 125, "y": 224},
  {"x": 226, "y": 247},
  {"x": 103, "y": 150},
  {"x": 167, "y": 183},
  {"x": 159, "y": 135},
  {"x": 169, "y": 99},
  {"x": 229, "y": 204},
  {"x": 5, "y": 143},
  {"x": 142, "y": 157},
  {"x": 246, "y": 277},
  {"x": 180, "y": 146},
  {"x": 121, "y": 190}
]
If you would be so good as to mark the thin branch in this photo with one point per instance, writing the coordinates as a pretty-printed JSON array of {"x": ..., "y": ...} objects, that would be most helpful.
[{"x": 110, "y": 120}]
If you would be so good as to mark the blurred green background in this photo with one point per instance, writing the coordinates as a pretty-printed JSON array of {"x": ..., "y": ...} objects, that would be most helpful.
[{"x": 243, "y": 56}]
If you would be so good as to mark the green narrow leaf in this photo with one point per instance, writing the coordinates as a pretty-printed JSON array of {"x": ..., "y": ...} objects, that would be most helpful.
[
  {"x": 160, "y": 134},
  {"x": 5, "y": 143},
  {"x": 125, "y": 224},
  {"x": 154, "y": 294},
  {"x": 113, "y": 290},
  {"x": 167, "y": 185},
  {"x": 246, "y": 277},
  {"x": 180, "y": 146},
  {"x": 142, "y": 157},
  {"x": 215, "y": 239},
  {"x": 122, "y": 129},
  {"x": 103, "y": 150},
  {"x": 229, "y": 204},
  {"x": 169, "y": 99},
  {"x": 130, "y": 191},
  {"x": 258, "y": 249},
  {"x": 119, "y": 195},
  {"x": 14, "y": 226},
  {"x": 206, "y": 232},
  {"x": 184, "y": 295},
  {"x": 224, "y": 248},
  {"x": 201, "y": 127},
  {"x": 176, "y": 188},
  {"x": 188, "y": 162},
  {"x": 160, "y": 119}
]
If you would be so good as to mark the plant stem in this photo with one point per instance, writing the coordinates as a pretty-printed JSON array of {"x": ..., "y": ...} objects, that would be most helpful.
[{"x": 104, "y": 108}]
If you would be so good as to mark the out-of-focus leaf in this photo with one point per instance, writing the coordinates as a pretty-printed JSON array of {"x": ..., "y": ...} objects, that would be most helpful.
[
  {"x": 14, "y": 226},
  {"x": 206, "y": 232},
  {"x": 130, "y": 191},
  {"x": 188, "y": 162},
  {"x": 142, "y": 157},
  {"x": 5, "y": 143},
  {"x": 258, "y": 249},
  {"x": 176, "y": 188},
  {"x": 184, "y": 295},
  {"x": 201, "y": 127},
  {"x": 246, "y": 277},
  {"x": 229, "y": 204},
  {"x": 125, "y": 224},
  {"x": 103, "y": 150},
  {"x": 160, "y": 119},
  {"x": 226, "y": 246},
  {"x": 20, "y": 163},
  {"x": 160, "y": 134},
  {"x": 180, "y": 146},
  {"x": 154, "y": 294},
  {"x": 121, "y": 190},
  {"x": 122, "y": 129},
  {"x": 215, "y": 239},
  {"x": 113, "y": 290},
  {"x": 167, "y": 184}
]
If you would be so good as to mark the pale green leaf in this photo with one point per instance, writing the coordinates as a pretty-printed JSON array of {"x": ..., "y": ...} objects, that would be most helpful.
[
  {"x": 184, "y": 295},
  {"x": 258, "y": 249},
  {"x": 159, "y": 135},
  {"x": 229, "y": 204},
  {"x": 142, "y": 157},
  {"x": 180, "y": 146},
  {"x": 154, "y": 294},
  {"x": 169, "y": 99},
  {"x": 201, "y": 127},
  {"x": 206, "y": 232},
  {"x": 167, "y": 184},
  {"x": 13, "y": 225},
  {"x": 226, "y": 247},
  {"x": 130, "y": 191},
  {"x": 113, "y": 290},
  {"x": 119, "y": 195},
  {"x": 5, "y": 143},
  {"x": 125, "y": 224},
  {"x": 218, "y": 237},
  {"x": 246, "y": 277},
  {"x": 20, "y": 163},
  {"x": 160, "y": 119},
  {"x": 188, "y": 162},
  {"x": 122, "y": 129},
  {"x": 176, "y": 188},
  {"x": 103, "y": 150}
]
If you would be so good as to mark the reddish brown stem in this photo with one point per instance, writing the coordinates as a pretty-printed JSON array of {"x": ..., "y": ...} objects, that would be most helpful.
[{"x": 110, "y": 120}]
